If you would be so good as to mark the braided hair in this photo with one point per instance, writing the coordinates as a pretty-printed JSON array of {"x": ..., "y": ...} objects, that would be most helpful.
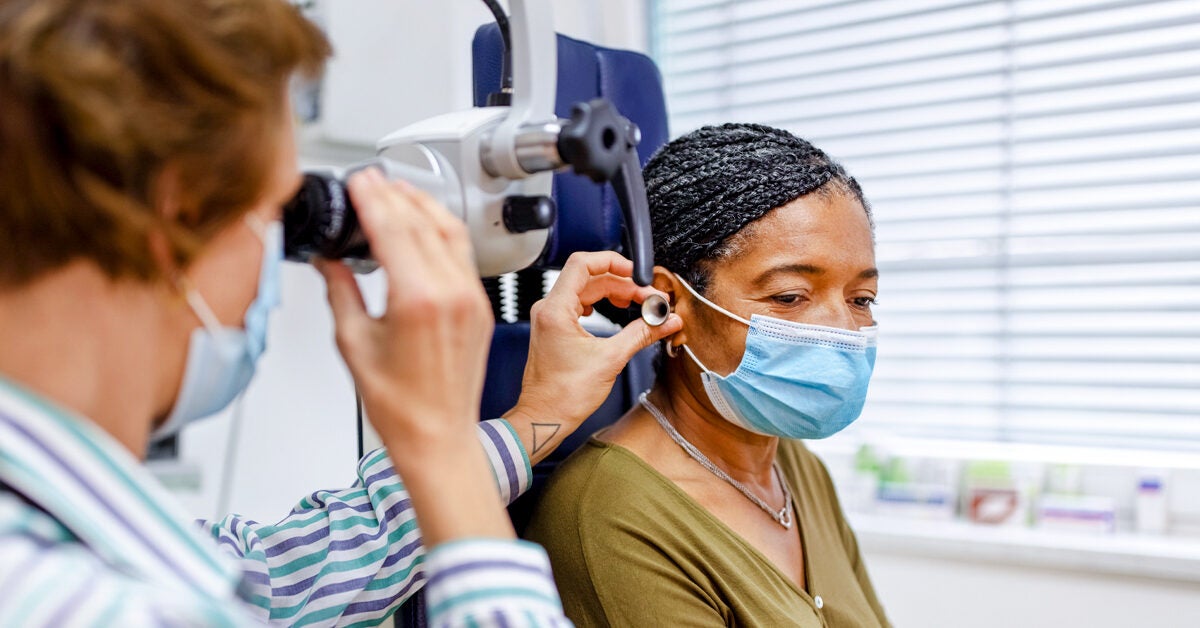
[{"x": 707, "y": 186}]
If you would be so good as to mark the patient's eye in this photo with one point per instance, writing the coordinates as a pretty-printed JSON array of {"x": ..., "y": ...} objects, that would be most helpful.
[
  {"x": 787, "y": 299},
  {"x": 863, "y": 303}
]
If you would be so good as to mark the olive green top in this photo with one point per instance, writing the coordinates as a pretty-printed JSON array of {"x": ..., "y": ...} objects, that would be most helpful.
[{"x": 630, "y": 548}]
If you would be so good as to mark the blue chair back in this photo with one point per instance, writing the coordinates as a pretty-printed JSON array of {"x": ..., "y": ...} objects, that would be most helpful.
[{"x": 589, "y": 219}]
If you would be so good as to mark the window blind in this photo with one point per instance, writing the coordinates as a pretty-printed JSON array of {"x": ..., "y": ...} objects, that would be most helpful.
[{"x": 1034, "y": 168}]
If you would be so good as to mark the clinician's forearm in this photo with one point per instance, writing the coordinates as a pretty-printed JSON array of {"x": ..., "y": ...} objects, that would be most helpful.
[
  {"x": 489, "y": 583},
  {"x": 452, "y": 487},
  {"x": 366, "y": 533},
  {"x": 302, "y": 567},
  {"x": 539, "y": 435},
  {"x": 478, "y": 573}
]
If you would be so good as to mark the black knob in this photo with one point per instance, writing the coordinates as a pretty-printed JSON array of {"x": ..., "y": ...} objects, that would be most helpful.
[
  {"x": 526, "y": 213},
  {"x": 595, "y": 140}
]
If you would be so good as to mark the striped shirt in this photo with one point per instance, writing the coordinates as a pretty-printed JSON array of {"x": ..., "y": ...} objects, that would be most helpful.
[{"x": 88, "y": 537}]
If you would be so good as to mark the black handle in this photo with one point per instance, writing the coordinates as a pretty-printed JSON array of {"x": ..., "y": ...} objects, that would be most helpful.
[
  {"x": 635, "y": 209},
  {"x": 601, "y": 144}
]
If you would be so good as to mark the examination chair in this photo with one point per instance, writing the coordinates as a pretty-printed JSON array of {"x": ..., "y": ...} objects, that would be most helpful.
[{"x": 589, "y": 219}]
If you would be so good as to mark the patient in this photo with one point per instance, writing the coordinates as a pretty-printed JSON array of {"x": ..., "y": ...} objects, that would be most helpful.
[{"x": 701, "y": 506}]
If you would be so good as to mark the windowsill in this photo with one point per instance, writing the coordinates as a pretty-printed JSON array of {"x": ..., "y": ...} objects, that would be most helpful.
[
  {"x": 1012, "y": 452},
  {"x": 1126, "y": 553},
  {"x": 1161, "y": 557}
]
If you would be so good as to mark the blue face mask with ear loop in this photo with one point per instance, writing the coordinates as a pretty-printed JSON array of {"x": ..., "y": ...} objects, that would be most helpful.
[
  {"x": 794, "y": 380},
  {"x": 221, "y": 360}
]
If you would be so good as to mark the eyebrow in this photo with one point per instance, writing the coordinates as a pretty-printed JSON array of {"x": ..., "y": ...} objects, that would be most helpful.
[{"x": 805, "y": 269}]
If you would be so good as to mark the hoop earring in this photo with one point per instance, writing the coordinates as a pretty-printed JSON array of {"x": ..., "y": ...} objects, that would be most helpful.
[{"x": 670, "y": 348}]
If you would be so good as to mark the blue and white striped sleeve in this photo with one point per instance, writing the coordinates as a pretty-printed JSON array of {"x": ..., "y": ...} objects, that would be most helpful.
[
  {"x": 491, "y": 583},
  {"x": 48, "y": 578},
  {"x": 351, "y": 556}
]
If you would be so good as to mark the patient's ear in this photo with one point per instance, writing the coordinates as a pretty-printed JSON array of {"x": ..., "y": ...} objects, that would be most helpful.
[{"x": 666, "y": 282}]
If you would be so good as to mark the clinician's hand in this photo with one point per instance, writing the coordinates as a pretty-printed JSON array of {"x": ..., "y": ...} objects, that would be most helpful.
[
  {"x": 570, "y": 372},
  {"x": 420, "y": 366}
]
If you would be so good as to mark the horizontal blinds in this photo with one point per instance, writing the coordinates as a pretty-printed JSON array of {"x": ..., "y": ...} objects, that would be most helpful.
[{"x": 1034, "y": 168}]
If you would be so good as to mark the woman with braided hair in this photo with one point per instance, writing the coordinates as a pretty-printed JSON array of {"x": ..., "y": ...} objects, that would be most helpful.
[
  {"x": 147, "y": 152},
  {"x": 702, "y": 506}
]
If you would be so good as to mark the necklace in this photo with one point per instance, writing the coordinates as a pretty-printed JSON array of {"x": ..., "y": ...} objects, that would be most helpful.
[{"x": 783, "y": 516}]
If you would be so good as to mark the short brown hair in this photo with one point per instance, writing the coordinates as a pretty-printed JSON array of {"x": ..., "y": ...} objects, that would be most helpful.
[{"x": 98, "y": 99}]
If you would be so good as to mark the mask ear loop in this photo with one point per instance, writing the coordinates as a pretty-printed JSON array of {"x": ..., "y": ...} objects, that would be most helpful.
[
  {"x": 257, "y": 226},
  {"x": 710, "y": 303},
  {"x": 199, "y": 306},
  {"x": 671, "y": 350}
]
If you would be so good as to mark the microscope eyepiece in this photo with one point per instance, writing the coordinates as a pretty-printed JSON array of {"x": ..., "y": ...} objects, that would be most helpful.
[{"x": 320, "y": 221}]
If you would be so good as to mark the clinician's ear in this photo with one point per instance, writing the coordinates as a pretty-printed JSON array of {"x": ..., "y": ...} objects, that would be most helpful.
[
  {"x": 665, "y": 281},
  {"x": 165, "y": 197}
]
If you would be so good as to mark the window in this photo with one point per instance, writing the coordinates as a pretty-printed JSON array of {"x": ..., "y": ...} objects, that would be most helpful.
[{"x": 1034, "y": 168}]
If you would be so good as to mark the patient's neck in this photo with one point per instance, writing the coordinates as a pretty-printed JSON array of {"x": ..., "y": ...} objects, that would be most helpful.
[{"x": 744, "y": 455}]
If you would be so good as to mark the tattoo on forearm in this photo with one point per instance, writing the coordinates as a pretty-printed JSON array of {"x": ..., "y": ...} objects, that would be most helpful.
[{"x": 543, "y": 433}]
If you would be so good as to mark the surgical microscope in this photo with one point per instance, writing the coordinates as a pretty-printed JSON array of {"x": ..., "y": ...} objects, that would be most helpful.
[{"x": 492, "y": 167}]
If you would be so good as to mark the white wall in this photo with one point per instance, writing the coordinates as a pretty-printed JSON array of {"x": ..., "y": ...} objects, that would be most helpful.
[
  {"x": 297, "y": 432},
  {"x": 937, "y": 592},
  {"x": 399, "y": 61}
]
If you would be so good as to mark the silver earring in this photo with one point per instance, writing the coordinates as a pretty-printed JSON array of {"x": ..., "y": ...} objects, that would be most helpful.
[{"x": 670, "y": 348}]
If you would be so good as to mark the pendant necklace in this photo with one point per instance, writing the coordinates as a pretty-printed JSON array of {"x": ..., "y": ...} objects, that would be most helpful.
[{"x": 783, "y": 516}]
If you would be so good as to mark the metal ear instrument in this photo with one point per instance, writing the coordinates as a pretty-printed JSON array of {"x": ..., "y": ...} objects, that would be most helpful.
[{"x": 655, "y": 310}]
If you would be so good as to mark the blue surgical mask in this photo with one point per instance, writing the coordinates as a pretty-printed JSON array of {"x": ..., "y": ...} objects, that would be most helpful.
[
  {"x": 794, "y": 380},
  {"x": 221, "y": 359}
]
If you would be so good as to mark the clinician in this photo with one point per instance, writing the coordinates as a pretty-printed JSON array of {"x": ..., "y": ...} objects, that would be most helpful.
[{"x": 146, "y": 150}]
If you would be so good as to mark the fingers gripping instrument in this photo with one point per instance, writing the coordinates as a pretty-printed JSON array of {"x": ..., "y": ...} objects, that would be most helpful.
[{"x": 492, "y": 167}]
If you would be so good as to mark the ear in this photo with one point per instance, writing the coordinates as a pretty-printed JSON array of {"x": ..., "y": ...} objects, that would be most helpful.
[
  {"x": 166, "y": 192},
  {"x": 666, "y": 282},
  {"x": 162, "y": 252},
  {"x": 166, "y": 205}
]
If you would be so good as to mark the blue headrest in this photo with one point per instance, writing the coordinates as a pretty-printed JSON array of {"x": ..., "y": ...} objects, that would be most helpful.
[{"x": 589, "y": 218}]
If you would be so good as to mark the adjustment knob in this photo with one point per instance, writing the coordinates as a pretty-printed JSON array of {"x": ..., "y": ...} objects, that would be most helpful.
[
  {"x": 594, "y": 141},
  {"x": 526, "y": 213}
]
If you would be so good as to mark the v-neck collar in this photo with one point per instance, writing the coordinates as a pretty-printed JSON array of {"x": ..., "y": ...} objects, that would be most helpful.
[
  {"x": 101, "y": 494},
  {"x": 797, "y": 503}
]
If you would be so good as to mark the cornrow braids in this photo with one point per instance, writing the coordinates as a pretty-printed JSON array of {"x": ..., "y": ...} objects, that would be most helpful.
[{"x": 707, "y": 186}]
